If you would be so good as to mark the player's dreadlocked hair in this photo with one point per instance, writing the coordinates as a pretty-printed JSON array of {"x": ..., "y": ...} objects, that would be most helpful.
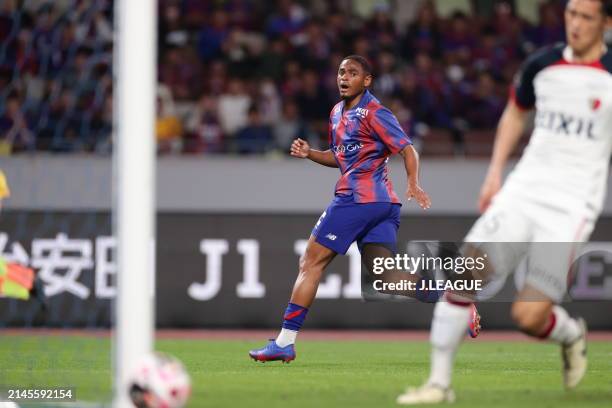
[{"x": 365, "y": 64}]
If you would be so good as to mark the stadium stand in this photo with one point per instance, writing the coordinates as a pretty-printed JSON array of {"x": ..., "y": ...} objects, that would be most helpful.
[{"x": 244, "y": 76}]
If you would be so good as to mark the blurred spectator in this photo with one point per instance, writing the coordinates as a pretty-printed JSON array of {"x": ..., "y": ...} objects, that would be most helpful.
[
  {"x": 102, "y": 126},
  {"x": 550, "y": 30},
  {"x": 255, "y": 137},
  {"x": 292, "y": 79},
  {"x": 269, "y": 102},
  {"x": 317, "y": 46},
  {"x": 509, "y": 29},
  {"x": 168, "y": 127},
  {"x": 172, "y": 30},
  {"x": 94, "y": 30},
  {"x": 458, "y": 42},
  {"x": 212, "y": 36},
  {"x": 217, "y": 58},
  {"x": 386, "y": 78},
  {"x": 214, "y": 82},
  {"x": 380, "y": 23},
  {"x": 490, "y": 54},
  {"x": 289, "y": 127},
  {"x": 53, "y": 115},
  {"x": 242, "y": 13},
  {"x": 423, "y": 102},
  {"x": 486, "y": 106},
  {"x": 381, "y": 27},
  {"x": 181, "y": 71},
  {"x": 273, "y": 59},
  {"x": 15, "y": 133},
  {"x": 405, "y": 118},
  {"x": 241, "y": 50},
  {"x": 7, "y": 10},
  {"x": 340, "y": 30},
  {"x": 204, "y": 130},
  {"x": 431, "y": 82},
  {"x": 195, "y": 12},
  {"x": 314, "y": 103},
  {"x": 288, "y": 21},
  {"x": 362, "y": 46},
  {"x": 312, "y": 99},
  {"x": 233, "y": 107},
  {"x": 423, "y": 35}
]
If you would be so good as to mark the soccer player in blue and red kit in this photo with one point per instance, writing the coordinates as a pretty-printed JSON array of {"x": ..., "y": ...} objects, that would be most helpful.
[{"x": 362, "y": 136}]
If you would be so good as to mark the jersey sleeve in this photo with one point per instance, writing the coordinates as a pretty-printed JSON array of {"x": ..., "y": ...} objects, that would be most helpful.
[
  {"x": 522, "y": 91},
  {"x": 329, "y": 132},
  {"x": 330, "y": 125},
  {"x": 388, "y": 129}
]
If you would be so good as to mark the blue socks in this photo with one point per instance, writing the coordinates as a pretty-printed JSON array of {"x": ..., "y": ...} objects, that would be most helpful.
[{"x": 294, "y": 317}]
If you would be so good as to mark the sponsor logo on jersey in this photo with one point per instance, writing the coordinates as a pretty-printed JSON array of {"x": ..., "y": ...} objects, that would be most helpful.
[
  {"x": 341, "y": 149},
  {"x": 331, "y": 237},
  {"x": 566, "y": 124}
]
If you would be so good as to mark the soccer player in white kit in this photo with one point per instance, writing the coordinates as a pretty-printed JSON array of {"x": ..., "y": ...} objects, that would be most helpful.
[{"x": 554, "y": 195}]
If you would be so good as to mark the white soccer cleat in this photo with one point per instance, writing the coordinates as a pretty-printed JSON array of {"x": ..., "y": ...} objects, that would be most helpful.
[
  {"x": 575, "y": 358},
  {"x": 427, "y": 394}
]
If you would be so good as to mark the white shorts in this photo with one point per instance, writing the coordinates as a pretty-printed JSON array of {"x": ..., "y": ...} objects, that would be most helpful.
[{"x": 549, "y": 238}]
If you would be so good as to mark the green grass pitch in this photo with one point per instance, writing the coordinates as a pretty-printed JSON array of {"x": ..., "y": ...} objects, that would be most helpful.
[{"x": 325, "y": 374}]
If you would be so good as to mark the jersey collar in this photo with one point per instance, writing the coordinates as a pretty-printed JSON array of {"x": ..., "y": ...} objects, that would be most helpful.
[
  {"x": 365, "y": 99},
  {"x": 568, "y": 55}
]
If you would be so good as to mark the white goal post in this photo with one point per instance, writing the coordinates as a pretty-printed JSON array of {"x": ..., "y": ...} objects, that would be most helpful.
[{"x": 133, "y": 180}]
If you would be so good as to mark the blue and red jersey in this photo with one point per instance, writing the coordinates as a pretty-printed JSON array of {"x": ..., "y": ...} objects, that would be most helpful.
[{"x": 362, "y": 139}]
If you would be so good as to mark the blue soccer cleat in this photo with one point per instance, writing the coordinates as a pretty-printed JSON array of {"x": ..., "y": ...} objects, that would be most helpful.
[{"x": 272, "y": 352}]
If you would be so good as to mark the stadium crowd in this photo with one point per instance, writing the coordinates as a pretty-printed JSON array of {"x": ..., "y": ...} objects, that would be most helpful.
[{"x": 245, "y": 76}]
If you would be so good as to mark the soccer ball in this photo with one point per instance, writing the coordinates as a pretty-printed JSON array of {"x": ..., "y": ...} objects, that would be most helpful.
[{"x": 160, "y": 381}]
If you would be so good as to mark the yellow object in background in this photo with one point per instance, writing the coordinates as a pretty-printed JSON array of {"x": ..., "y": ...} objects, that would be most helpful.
[
  {"x": 5, "y": 148},
  {"x": 4, "y": 188},
  {"x": 168, "y": 128},
  {"x": 16, "y": 281}
]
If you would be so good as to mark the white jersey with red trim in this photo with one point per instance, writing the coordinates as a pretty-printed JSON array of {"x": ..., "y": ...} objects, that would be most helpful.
[{"x": 565, "y": 165}]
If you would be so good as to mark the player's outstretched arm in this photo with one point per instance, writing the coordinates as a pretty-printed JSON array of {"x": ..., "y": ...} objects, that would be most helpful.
[
  {"x": 510, "y": 129},
  {"x": 301, "y": 149},
  {"x": 411, "y": 163}
]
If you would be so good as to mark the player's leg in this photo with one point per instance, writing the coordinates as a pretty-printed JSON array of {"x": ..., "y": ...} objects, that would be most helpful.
[
  {"x": 373, "y": 252},
  {"x": 536, "y": 310},
  {"x": 547, "y": 321},
  {"x": 454, "y": 316},
  {"x": 380, "y": 242},
  {"x": 311, "y": 267},
  {"x": 491, "y": 234},
  {"x": 335, "y": 231}
]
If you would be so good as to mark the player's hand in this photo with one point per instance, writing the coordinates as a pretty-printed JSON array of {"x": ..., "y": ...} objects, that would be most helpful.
[
  {"x": 300, "y": 148},
  {"x": 490, "y": 187},
  {"x": 421, "y": 197}
]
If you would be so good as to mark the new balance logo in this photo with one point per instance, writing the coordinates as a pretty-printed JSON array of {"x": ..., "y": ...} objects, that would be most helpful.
[{"x": 331, "y": 237}]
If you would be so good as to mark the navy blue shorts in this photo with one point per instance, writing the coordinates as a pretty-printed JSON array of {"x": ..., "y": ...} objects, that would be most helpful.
[{"x": 345, "y": 222}]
